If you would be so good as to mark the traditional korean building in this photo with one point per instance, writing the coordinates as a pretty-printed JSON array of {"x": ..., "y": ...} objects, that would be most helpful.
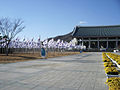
[{"x": 98, "y": 37}]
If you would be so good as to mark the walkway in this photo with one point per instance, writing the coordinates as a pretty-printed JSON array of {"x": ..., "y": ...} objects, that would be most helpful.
[{"x": 77, "y": 72}]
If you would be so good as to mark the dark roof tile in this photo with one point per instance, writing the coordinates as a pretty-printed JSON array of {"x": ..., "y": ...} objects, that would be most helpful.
[{"x": 97, "y": 31}]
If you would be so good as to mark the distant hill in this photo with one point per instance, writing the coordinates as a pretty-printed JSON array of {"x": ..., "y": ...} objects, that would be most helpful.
[{"x": 67, "y": 37}]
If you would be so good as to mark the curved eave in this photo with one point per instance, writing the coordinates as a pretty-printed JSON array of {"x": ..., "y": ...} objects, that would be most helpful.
[
  {"x": 74, "y": 31},
  {"x": 93, "y": 36}
]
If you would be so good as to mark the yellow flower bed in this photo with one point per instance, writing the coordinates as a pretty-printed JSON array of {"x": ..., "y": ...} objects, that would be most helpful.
[
  {"x": 111, "y": 71},
  {"x": 105, "y": 58},
  {"x": 108, "y": 64},
  {"x": 113, "y": 83},
  {"x": 109, "y": 68},
  {"x": 118, "y": 60},
  {"x": 114, "y": 57}
]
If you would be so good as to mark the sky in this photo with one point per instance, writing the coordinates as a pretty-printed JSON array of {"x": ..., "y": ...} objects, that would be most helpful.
[{"x": 50, "y": 18}]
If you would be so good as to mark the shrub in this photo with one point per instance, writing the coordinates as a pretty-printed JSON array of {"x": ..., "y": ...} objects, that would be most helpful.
[
  {"x": 105, "y": 58},
  {"x": 111, "y": 71},
  {"x": 114, "y": 57},
  {"x": 108, "y": 64},
  {"x": 113, "y": 83}
]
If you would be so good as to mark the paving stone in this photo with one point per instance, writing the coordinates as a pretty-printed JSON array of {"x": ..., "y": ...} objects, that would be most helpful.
[{"x": 84, "y": 71}]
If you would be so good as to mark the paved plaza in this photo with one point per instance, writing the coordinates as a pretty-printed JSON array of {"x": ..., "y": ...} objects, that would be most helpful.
[{"x": 84, "y": 71}]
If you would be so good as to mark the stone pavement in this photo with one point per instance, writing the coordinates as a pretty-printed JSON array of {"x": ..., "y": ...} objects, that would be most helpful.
[{"x": 76, "y": 72}]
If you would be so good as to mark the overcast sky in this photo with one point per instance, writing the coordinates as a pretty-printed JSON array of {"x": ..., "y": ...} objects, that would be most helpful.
[{"x": 49, "y": 18}]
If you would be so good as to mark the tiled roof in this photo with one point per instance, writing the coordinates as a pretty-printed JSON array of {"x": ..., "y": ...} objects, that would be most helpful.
[{"x": 97, "y": 31}]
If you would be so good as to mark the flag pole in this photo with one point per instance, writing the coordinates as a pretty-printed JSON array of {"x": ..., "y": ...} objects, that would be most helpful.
[
  {"x": 40, "y": 44},
  {"x": 47, "y": 48}
]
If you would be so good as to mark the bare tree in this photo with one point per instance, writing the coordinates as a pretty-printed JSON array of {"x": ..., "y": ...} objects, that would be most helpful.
[{"x": 9, "y": 29}]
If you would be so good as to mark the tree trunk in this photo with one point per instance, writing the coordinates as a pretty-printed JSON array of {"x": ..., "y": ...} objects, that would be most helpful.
[{"x": 7, "y": 50}]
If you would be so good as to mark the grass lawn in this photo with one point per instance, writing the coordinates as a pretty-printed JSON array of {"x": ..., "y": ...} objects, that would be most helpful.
[{"x": 30, "y": 56}]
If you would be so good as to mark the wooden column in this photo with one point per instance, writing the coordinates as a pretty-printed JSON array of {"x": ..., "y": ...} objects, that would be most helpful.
[
  {"x": 89, "y": 43},
  {"x": 116, "y": 42},
  {"x": 82, "y": 42},
  {"x": 98, "y": 43},
  {"x": 107, "y": 44}
]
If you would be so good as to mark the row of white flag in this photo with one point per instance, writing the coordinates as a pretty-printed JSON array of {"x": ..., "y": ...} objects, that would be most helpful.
[{"x": 17, "y": 43}]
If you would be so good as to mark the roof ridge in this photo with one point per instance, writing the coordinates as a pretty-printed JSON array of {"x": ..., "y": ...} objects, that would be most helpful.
[{"x": 100, "y": 26}]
